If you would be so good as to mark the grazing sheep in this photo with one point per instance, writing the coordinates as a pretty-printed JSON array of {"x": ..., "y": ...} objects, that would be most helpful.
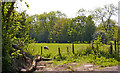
[{"x": 45, "y": 47}]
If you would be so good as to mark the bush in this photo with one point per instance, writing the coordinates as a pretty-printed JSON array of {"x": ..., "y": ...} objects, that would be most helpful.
[
  {"x": 104, "y": 62},
  {"x": 104, "y": 38},
  {"x": 60, "y": 57},
  {"x": 46, "y": 55}
]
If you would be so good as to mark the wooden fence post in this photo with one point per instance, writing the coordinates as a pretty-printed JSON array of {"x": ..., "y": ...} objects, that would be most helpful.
[
  {"x": 97, "y": 45},
  {"x": 67, "y": 49},
  {"x": 73, "y": 48},
  {"x": 118, "y": 45},
  {"x": 118, "y": 49},
  {"x": 115, "y": 45},
  {"x": 41, "y": 50},
  {"x": 59, "y": 51},
  {"x": 111, "y": 48}
]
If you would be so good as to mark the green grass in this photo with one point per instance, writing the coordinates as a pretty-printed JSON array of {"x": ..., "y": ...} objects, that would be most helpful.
[
  {"x": 53, "y": 48},
  {"x": 83, "y": 53}
]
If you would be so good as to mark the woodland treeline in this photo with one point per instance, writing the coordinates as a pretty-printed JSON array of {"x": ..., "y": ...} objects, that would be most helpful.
[
  {"x": 56, "y": 27},
  {"x": 19, "y": 29}
]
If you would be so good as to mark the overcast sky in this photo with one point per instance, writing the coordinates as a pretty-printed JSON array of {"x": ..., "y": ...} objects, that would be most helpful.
[{"x": 69, "y": 7}]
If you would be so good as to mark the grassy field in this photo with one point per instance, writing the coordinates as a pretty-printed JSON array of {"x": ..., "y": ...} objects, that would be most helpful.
[
  {"x": 83, "y": 53},
  {"x": 53, "y": 48},
  {"x": 35, "y": 48}
]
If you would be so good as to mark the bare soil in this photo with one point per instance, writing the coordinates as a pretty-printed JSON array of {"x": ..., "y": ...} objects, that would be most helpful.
[{"x": 48, "y": 66}]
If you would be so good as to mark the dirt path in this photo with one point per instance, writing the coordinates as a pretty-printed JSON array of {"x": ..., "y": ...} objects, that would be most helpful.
[{"x": 48, "y": 66}]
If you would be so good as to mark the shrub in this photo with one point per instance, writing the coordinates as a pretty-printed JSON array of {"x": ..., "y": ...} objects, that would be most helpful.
[{"x": 104, "y": 37}]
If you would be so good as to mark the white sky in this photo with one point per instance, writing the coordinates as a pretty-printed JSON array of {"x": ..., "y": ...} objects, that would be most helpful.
[{"x": 69, "y": 7}]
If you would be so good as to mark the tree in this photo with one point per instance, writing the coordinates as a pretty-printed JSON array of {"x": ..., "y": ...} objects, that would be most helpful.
[
  {"x": 81, "y": 12},
  {"x": 59, "y": 32},
  {"x": 7, "y": 9},
  {"x": 89, "y": 29},
  {"x": 77, "y": 27},
  {"x": 101, "y": 35},
  {"x": 110, "y": 28},
  {"x": 13, "y": 28},
  {"x": 105, "y": 14},
  {"x": 81, "y": 29},
  {"x": 43, "y": 24}
]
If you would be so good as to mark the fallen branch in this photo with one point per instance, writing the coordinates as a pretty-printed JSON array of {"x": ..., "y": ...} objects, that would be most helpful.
[{"x": 34, "y": 64}]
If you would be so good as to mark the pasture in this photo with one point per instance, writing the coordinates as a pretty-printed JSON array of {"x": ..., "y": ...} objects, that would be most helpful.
[
  {"x": 35, "y": 48},
  {"x": 83, "y": 53}
]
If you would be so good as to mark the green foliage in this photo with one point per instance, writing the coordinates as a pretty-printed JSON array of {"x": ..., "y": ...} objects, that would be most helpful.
[
  {"x": 46, "y": 55},
  {"x": 60, "y": 57},
  {"x": 106, "y": 23},
  {"x": 103, "y": 62},
  {"x": 83, "y": 54},
  {"x": 100, "y": 37},
  {"x": 54, "y": 26},
  {"x": 41, "y": 26},
  {"x": 16, "y": 54},
  {"x": 14, "y": 32}
]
